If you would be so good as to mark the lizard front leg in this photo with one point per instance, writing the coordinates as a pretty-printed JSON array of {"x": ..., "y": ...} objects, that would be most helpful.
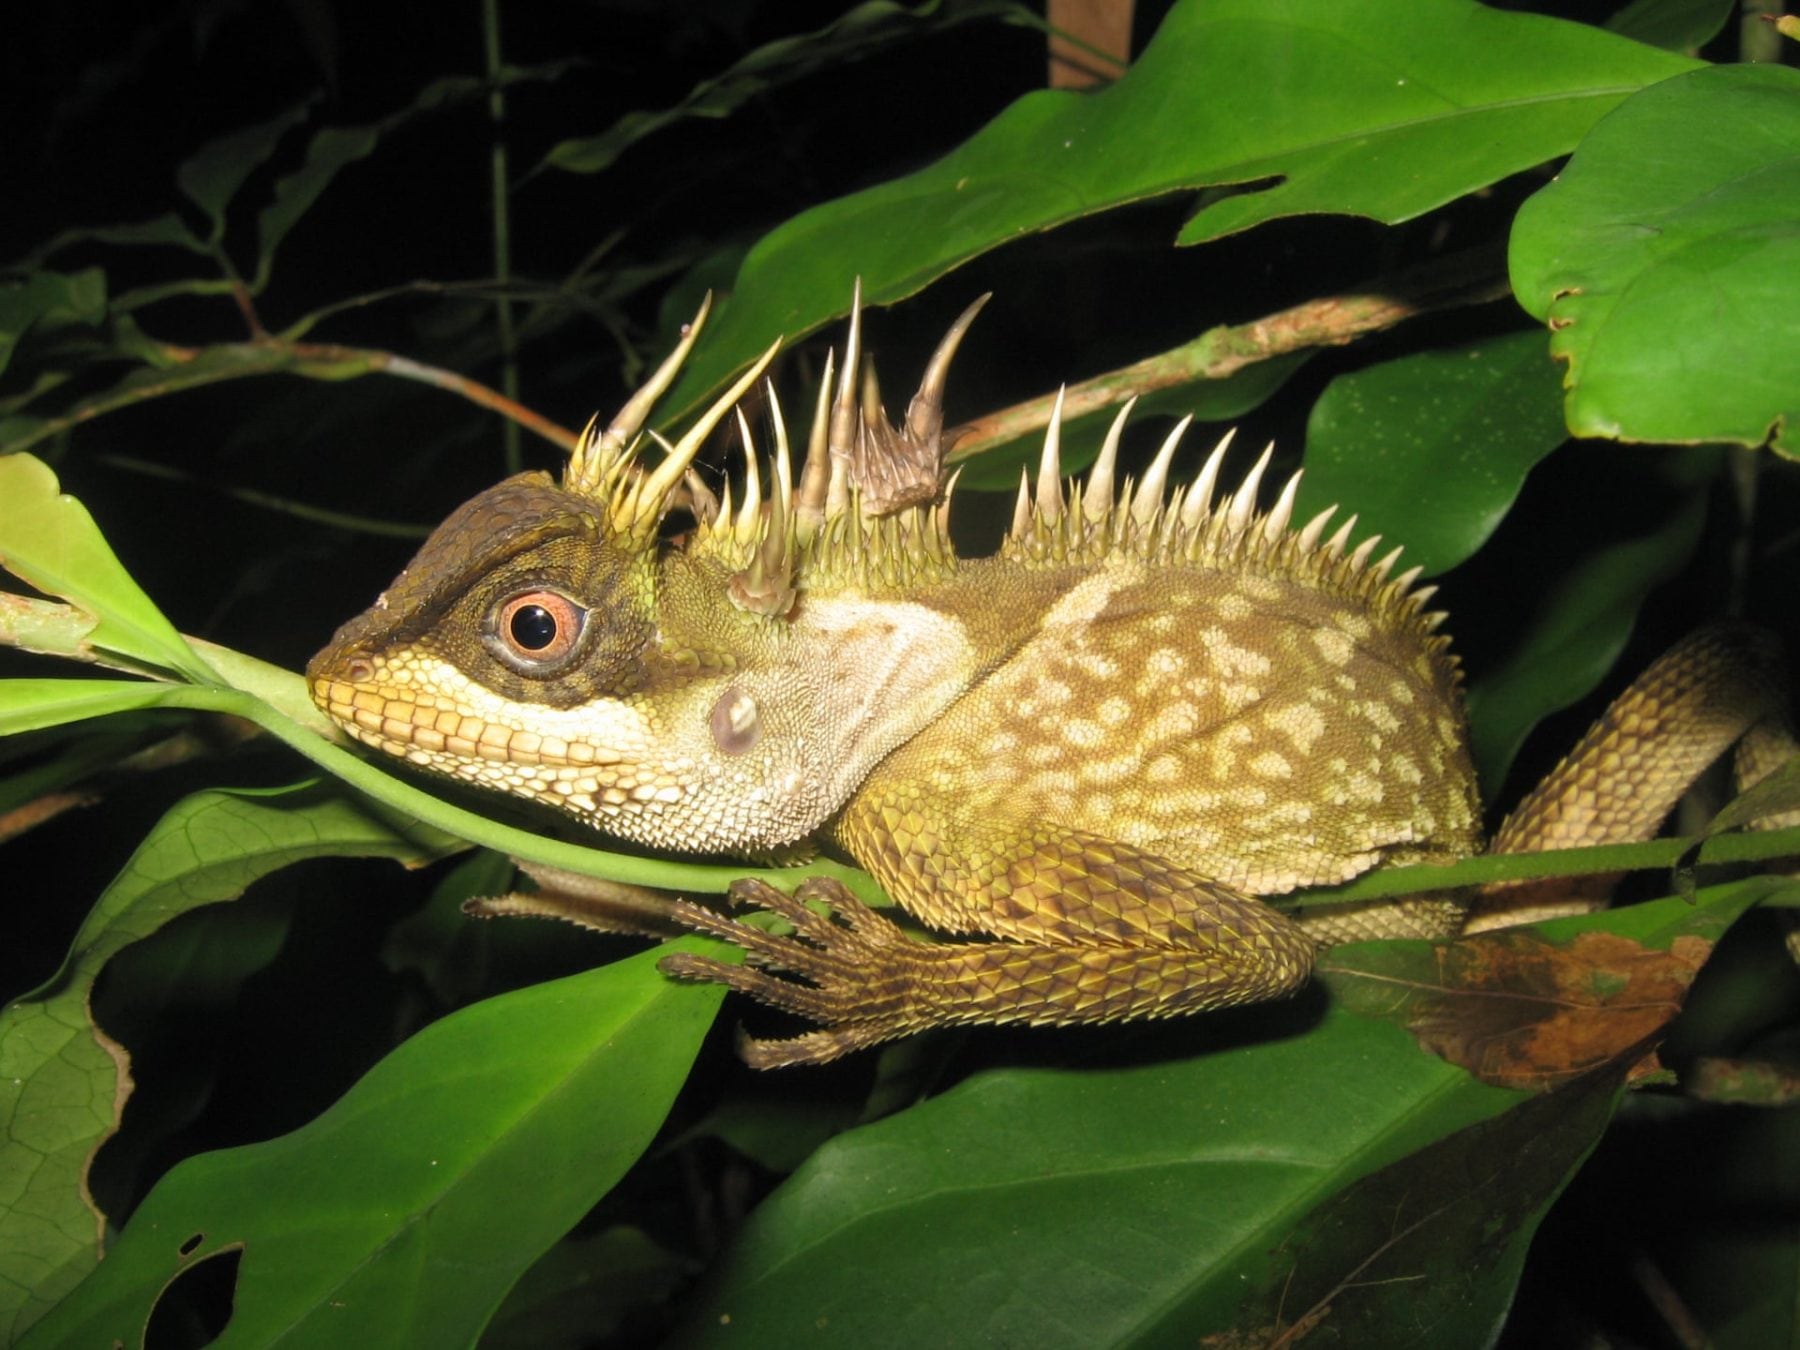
[{"x": 1087, "y": 929}]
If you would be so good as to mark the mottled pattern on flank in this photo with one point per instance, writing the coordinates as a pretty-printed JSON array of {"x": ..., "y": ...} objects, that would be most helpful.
[{"x": 1228, "y": 749}]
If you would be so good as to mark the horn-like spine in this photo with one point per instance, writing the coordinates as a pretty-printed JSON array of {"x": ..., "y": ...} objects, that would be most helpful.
[
  {"x": 1021, "y": 518},
  {"x": 1359, "y": 557},
  {"x": 1282, "y": 513},
  {"x": 648, "y": 499},
  {"x": 815, "y": 474},
  {"x": 1199, "y": 503},
  {"x": 749, "y": 516},
  {"x": 842, "y": 437},
  {"x": 925, "y": 414},
  {"x": 596, "y": 457},
  {"x": 1243, "y": 502},
  {"x": 1097, "y": 500},
  {"x": 784, "y": 459},
  {"x": 1049, "y": 483},
  {"x": 1379, "y": 572},
  {"x": 1314, "y": 529},
  {"x": 1149, "y": 498},
  {"x": 1340, "y": 538}
]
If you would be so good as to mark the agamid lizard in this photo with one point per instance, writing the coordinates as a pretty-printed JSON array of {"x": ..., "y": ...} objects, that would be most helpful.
[{"x": 1093, "y": 759}]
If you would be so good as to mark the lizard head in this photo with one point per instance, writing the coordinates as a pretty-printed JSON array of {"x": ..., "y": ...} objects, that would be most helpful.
[
  {"x": 540, "y": 643},
  {"x": 547, "y": 643}
]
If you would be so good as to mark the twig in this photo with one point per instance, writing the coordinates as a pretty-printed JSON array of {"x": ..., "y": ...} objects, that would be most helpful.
[
  {"x": 1466, "y": 279},
  {"x": 497, "y": 187},
  {"x": 234, "y": 360}
]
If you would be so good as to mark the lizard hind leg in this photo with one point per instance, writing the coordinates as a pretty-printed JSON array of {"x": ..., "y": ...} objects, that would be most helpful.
[
  {"x": 868, "y": 981},
  {"x": 1085, "y": 930}
]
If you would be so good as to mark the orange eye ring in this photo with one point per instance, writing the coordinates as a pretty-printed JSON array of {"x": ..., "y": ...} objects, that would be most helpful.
[{"x": 537, "y": 631}]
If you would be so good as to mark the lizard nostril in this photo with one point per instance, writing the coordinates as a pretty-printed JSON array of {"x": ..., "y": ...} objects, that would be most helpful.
[{"x": 360, "y": 670}]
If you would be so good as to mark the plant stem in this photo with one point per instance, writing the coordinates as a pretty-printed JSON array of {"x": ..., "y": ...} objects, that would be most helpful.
[{"x": 497, "y": 175}]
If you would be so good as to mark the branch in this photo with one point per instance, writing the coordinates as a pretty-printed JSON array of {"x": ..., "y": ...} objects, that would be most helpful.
[
  {"x": 1471, "y": 278},
  {"x": 183, "y": 368}
]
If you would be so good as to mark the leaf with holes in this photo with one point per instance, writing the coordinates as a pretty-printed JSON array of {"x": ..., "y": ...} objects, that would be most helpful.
[
  {"x": 63, "y": 1082},
  {"x": 402, "y": 1215}
]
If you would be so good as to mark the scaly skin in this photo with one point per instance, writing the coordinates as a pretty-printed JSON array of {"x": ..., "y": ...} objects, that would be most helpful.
[{"x": 1095, "y": 755}]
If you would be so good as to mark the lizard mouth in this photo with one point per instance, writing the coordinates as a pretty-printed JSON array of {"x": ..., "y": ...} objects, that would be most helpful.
[{"x": 422, "y": 727}]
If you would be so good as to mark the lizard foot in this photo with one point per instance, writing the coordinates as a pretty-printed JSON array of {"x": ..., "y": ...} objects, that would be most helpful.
[{"x": 857, "y": 967}]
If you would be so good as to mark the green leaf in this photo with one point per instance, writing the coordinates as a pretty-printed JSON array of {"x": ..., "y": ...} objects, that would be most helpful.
[
  {"x": 49, "y": 540},
  {"x": 32, "y": 705},
  {"x": 334, "y": 148},
  {"x": 1470, "y": 1237},
  {"x": 49, "y": 300},
  {"x": 875, "y": 25},
  {"x": 169, "y": 229},
  {"x": 1430, "y": 450},
  {"x": 215, "y": 172},
  {"x": 1666, "y": 260},
  {"x": 490, "y": 1132},
  {"x": 1140, "y": 1206},
  {"x": 329, "y": 151},
  {"x": 1678, "y": 25},
  {"x": 1380, "y": 108},
  {"x": 62, "y": 1083}
]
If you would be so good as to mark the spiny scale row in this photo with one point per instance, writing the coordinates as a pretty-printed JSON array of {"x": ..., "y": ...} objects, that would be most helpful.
[{"x": 1076, "y": 523}]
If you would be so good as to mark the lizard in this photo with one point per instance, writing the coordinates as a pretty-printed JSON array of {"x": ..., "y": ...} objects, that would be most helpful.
[{"x": 1094, "y": 762}]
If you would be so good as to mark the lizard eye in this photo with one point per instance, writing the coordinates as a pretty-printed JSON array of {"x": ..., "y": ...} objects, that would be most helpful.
[{"x": 536, "y": 632}]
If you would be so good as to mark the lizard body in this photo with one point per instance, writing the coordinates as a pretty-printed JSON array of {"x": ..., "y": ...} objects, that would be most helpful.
[{"x": 1090, "y": 757}]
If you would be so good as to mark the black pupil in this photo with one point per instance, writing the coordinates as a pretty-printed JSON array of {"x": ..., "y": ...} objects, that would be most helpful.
[{"x": 533, "y": 627}]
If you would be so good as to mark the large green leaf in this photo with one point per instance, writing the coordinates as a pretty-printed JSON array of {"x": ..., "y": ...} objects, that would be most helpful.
[
  {"x": 1341, "y": 1173},
  {"x": 63, "y": 1083},
  {"x": 1380, "y": 108},
  {"x": 1118, "y": 1207},
  {"x": 1430, "y": 450},
  {"x": 1666, "y": 260},
  {"x": 404, "y": 1214},
  {"x": 331, "y": 149}
]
